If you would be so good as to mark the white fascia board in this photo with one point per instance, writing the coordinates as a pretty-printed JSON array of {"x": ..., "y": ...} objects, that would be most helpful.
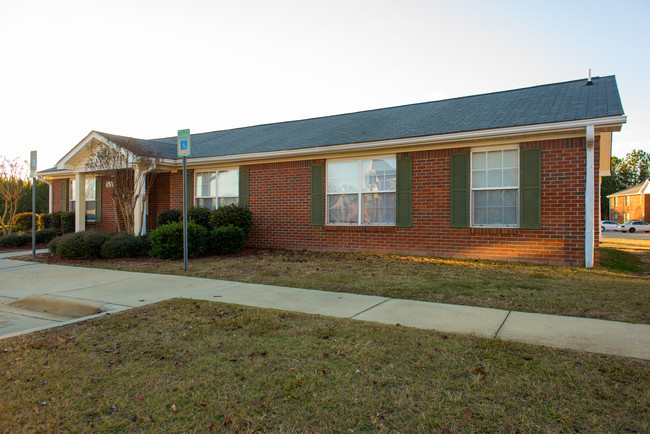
[
  {"x": 62, "y": 164},
  {"x": 468, "y": 135}
]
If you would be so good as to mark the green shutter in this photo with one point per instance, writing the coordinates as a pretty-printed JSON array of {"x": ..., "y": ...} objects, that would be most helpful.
[
  {"x": 530, "y": 188},
  {"x": 98, "y": 199},
  {"x": 317, "y": 188},
  {"x": 244, "y": 187},
  {"x": 459, "y": 190},
  {"x": 404, "y": 195},
  {"x": 64, "y": 195},
  {"x": 190, "y": 186}
]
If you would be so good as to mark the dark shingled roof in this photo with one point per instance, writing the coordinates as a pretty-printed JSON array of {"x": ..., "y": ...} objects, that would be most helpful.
[{"x": 568, "y": 101}]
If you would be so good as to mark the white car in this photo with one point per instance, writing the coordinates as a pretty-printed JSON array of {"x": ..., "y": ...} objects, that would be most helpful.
[
  {"x": 608, "y": 225},
  {"x": 634, "y": 226}
]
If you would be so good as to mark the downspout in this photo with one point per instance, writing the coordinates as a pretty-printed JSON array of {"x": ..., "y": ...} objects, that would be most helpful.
[
  {"x": 589, "y": 199},
  {"x": 51, "y": 192}
]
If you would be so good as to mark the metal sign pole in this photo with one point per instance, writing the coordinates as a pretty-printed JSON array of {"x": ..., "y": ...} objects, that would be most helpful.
[
  {"x": 32, "y": 170},
  {"x": 184, "y": 151},
  {"x": 185, "y": 213},
  {"x": 33, "y": 217}
]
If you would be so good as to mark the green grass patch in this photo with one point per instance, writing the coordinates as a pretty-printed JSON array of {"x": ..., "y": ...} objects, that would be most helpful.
[
  {"x": 594, "y": 293},
  {"x": 620, "y": 260},
  {"x": 185, "y": 365}
]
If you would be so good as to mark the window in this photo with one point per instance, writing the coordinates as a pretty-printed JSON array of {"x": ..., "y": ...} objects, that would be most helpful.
[
  {"x": 90, "y": 197},
  {"x": 495, "y": 188},
  {"x": 361, "y": 192},
  {"x": 627, "y": 200},
  {"x": 216, "y": 188},
  {"x": 627, "y": 216},
  {"x": 616, "y": 201}
]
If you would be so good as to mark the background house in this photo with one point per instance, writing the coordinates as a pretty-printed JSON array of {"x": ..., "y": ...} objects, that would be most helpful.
[
  {"x": 508, "y": 175},
  {"x": 631, "y": 204}
]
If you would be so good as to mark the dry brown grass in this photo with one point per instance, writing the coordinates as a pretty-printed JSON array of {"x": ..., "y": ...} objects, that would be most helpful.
[
  {"x": 594, "y": 293},
  {"x": 187, "y": 365}
]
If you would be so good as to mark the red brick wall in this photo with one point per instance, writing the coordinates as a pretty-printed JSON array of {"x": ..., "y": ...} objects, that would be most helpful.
[
  {"x": 280, "y": 202},
  {"x": 158, "y": 197},
  {"x": 176, "y": 188},
  {"x": 636, "y": 208},
  {"x": 56, "y": 195}
]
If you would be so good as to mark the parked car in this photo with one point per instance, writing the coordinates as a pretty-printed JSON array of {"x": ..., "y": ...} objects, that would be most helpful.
[
  {"x": 634, "y": 226},
  {"x": 608, "y": 225}
]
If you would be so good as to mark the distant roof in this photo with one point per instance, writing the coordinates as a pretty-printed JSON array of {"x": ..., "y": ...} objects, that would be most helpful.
[
  {"x": 637, "y": 189},
  {"x": 559, "y": 102}
]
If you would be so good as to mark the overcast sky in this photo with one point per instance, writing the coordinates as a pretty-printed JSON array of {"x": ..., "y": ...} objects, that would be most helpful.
[{"x": 149, "y": 68}]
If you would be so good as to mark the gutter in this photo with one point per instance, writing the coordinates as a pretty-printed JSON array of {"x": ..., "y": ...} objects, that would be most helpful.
[{"x": 393, "y": 143}]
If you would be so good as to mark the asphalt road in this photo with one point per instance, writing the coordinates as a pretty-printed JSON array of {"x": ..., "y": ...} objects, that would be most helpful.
[{"x": 625, "y": 235}]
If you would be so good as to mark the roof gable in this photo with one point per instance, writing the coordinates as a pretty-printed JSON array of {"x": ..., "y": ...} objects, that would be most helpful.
[{"x": 641, "y": 188}]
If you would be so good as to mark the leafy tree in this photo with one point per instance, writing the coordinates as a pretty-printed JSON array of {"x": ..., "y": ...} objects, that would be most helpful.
[
  {"x": 625, "y": 173},
  {"x": 42, "y": 197},
  {"x": 125, "y": 162},
  {"x": 13, "y": 179}
]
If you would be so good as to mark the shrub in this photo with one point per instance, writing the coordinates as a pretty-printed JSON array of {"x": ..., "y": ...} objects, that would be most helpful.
[
  {"x": 15, "y": 240},
  {"x": 232, "y": 215},
  {"x": 51, "y": 246},
  {"x": 46, "y": 220},
  {"x": 167, "y": 241},
  {"x": 200, "y": 216},
  {"x": 81, "y": 245},
  {"x": 67, "y": 222},
  {"x": 44, "y": 236},
  {"x": 53, "y": 221},
  {"x": 169, "y": 216},
  {"x": 123, "y": 245},
  {"x": 23, "y": 221},
  {"x": 227, "y": 239}
]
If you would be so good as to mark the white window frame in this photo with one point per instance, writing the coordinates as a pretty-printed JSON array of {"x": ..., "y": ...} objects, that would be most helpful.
[
  {"x": 216, "y": 197},
  {"x": 627, "y": 200},
  {"x": 71, "y": 197},
  {"x": 472, "y": 189},
  {"x": 360, "y": 193}
]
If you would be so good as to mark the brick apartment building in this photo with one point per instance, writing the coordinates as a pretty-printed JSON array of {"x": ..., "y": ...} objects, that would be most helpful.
[
  {"x": 510, "y": 175},
  {"x": 631, "y": 204}
]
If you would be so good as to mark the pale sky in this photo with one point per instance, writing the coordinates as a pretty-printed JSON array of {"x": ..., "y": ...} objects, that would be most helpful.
[{"x": 149, "y": 68}]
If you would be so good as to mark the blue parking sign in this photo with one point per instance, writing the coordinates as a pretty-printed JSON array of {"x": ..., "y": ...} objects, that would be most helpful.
[{"x": 183, "y": 143}]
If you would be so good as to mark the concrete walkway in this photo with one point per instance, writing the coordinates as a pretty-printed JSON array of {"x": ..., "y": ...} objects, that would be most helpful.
[{"x": 118, "y": 290}]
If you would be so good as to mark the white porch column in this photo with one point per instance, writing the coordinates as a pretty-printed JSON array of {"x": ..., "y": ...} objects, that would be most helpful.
[
  {"x": 139, "y": 189},
  {"x": 51, "y": 197},
  {"x": 80, "y": 202}
]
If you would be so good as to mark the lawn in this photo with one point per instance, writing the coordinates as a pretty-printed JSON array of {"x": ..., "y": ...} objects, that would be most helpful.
[
  {"x": 602, "y": 293},
  {"x": 185, "y": 365}
]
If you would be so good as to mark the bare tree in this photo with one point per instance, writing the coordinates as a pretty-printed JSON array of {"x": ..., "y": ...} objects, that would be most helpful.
[
  {"x": 13, "y": 179},
  {"x": 125, "y": 162}
]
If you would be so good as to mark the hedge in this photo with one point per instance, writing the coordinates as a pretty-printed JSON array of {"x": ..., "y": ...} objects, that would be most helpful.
[
  {"x": 227, "y": 239},
  {"x": 81, "y": 245},
  {"x": 124, "y": 245},
  {"x": 23, "y": 222},
  {"x": 167, "y": 240},
  {"x": 232, "y": 215}
]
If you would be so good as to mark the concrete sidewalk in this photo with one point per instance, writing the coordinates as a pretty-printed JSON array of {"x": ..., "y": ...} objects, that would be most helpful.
[{"x": 119, "y": 290}]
